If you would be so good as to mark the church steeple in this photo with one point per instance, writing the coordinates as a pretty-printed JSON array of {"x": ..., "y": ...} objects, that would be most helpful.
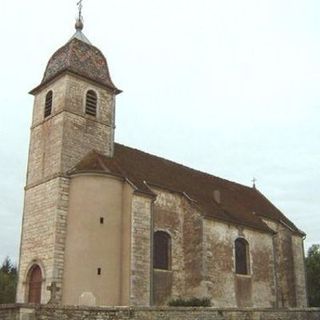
[
  {"x": 77, "y": 76},
  {"x": 73, "y": 114}
]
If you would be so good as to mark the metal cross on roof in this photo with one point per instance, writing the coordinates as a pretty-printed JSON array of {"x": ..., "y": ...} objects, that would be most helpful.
[
  {"x": 254, "y": 180},
  {"x": 79, "y": 4}
]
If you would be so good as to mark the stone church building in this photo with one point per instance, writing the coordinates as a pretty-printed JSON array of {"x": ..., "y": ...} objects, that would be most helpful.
[{"x": 108, "y": 225}]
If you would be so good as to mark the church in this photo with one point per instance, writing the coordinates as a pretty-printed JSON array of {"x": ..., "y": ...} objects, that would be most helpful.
[{"x": 108, "y": 225}]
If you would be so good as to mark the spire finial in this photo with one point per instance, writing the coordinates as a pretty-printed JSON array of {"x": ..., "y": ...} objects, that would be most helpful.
[{"x": 79, "y": 23}]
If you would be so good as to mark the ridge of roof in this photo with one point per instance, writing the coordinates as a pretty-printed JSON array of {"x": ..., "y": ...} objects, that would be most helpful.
[{"x": 185, "y": 166}]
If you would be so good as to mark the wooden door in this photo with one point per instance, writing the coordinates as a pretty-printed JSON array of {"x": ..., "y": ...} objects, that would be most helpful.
[{"x": 35, "y": 283}]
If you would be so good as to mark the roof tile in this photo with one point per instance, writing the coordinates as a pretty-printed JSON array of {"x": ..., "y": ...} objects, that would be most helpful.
[{"x": 239, "y": 204}]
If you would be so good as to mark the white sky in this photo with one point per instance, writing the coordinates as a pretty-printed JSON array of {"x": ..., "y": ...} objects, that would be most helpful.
[{"x": 229, "y": 87}]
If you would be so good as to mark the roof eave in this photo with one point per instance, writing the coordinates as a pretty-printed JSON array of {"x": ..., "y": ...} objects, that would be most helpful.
[
  {"x": 45, "y": 83},
  {"x": 94, "y": 172}
]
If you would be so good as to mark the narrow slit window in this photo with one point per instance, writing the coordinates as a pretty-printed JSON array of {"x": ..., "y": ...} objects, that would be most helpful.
[
  {"x": 101, "y": 220},
  {"x": 48, "y": 104},
  {"x": 91, "y": 103},
  {"x": 99, "y": 271}
]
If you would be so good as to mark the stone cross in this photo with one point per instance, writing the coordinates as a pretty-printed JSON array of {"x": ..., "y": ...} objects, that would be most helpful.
[{"x": 53, "y": 288}]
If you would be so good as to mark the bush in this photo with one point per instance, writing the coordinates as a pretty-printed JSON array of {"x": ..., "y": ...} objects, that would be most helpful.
[
  {"x": 192, "y": 302},
  {"x": 8, "y": 282},
  {"x": 313, "y": 271}
]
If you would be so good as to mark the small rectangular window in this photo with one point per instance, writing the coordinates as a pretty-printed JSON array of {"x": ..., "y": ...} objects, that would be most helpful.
[
  {"x": 99, "y": 271},
  {"x": 101, "y": 220}
]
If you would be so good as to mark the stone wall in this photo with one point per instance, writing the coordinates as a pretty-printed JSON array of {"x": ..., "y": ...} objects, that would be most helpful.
[
  {"x": 225, "y": 287},
  {"x": 61, "y": 140},
  {"x": 46, "y": 135},
  {"x": 174, "y": 215},
  {"x": 9, "y": 312},
  {"x": 25, "y": 312},
  {"x": 141, "y": 244},
  {"x": 43, "y": 234},
  {"x": 83, "y": 133},
  {"x": 299, "y": 270},
  {"x": 207, "y": 267},
  {"x": 289, "y": 266}
]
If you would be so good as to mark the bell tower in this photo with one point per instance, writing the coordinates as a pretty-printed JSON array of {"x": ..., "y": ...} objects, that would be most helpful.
[{"x": 73, "y": 114}]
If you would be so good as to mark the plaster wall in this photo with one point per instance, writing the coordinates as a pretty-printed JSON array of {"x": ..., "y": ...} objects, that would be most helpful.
[{"x": 92, "y": 244}]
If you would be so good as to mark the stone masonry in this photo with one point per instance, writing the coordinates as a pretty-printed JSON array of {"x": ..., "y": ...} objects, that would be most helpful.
[
  {"x": 57, "y": 143},
  {"x": 43, "y": 235},
  {"x": 289, "y": 266},
  {"x": 141, "y": 240},
  {"x": 203, "y": 259},
  {"x": 25, "y": 312},
  {"x": 174, "y": 214}
]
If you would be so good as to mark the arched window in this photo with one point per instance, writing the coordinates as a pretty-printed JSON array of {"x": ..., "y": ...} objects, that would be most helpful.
[
  {"x": 161, "y": 250},
  {"x": 35, "y": 284},
  {"x": 242, "y": 256},
  {"x": 48, "y": 104},
  {"x": 91, "y": 103}
]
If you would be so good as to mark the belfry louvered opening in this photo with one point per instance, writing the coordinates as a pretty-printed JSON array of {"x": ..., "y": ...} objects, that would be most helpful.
[
  {"x": 91, "y": 103},
  {"x": 48, "y": 104}
]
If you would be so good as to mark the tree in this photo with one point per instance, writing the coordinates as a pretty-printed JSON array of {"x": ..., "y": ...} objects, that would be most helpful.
[
  {"x": 313, "y": 275},
  {"x": 8, "y": 282}
]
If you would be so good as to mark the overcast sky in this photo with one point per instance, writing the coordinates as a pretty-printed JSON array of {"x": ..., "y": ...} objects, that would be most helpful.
[{"x": 228, "y": 87}]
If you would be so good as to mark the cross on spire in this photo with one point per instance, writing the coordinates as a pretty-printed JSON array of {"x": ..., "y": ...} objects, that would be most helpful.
[
  {"x": 79, "y": 23},
  {"x": 79, "y": 4},
  {"x": 254, "y": 180}
]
